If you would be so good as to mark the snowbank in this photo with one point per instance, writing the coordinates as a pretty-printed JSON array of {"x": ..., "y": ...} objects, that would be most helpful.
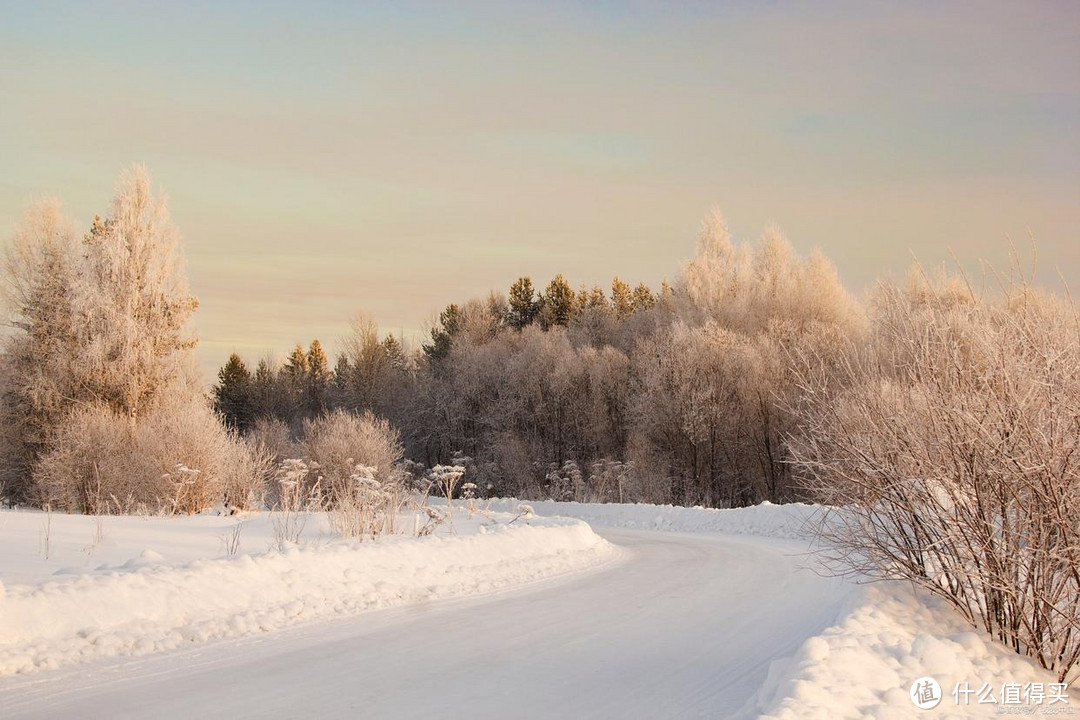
[
  {"x": 765, "y": 520},
  {"x": 864, "y": 666},
  {"x": 147, "y": 605}
]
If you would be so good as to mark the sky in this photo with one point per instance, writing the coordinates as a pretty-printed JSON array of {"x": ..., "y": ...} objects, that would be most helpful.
[{"x": 322, "y": 158}]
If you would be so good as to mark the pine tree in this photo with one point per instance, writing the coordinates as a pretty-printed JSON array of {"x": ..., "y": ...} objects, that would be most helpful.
[
  {"x": 643, "y": 297},
  {"x": 292, "y": 383},
  {"x": 317, "y": 386},
  {"x": 597, "y": 299},
  {"x": 581, "y": 300},
  {"x": 296, "y": 365},
  {"x": 264, "y": 390},
  {"x": 524, "y": 305},
  {"x": 395, "y": 353},
  {"x": 622, "y": 298},
  {"x": 342, "y": 372},
  {"x": 234, "y": 394},
  {"x": 559, "y": 301},
  {"x": 442, "y": 337}
]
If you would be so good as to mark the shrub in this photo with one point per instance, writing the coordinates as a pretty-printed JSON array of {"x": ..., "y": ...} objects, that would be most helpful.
[
  {"x": 357, "y": 458},
  {"x": 952, "y": 445},
  {"x": 178, "y": 459}
]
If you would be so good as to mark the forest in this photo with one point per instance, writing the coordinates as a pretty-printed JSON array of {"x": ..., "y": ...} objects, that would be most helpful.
[
  {"x": 679, "y": 395},
  {"x": 934, "y": 417}
]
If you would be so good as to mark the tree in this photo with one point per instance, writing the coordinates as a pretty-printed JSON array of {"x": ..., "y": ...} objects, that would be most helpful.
[
  {"x": 318, "y": 379},
  {"x": 395, "y": 353},
  {"x": 264, "y": 390},
  {"x": 558, "y": 303},
  {"x": 104, "y": 322},
  {"x": 524, "y": 305},
  {"x": 234, "y": 394},
  {"x": 368, "y": 361},
  {"x": 292, "y": 384},
  {"x": 442, "y": 336},
  {"x": 596, "y": 299},
  {"x": 296, "y": 365},
  {"x": 711, "y": 412},
  {"x": 622, "y": 298},
  {"x": 40, "y": 277},
  {"x": 113, "y": 399},
  {"x": 133, "y": 303},
  {"x": 643, "y": 298},
  {"x": 342, "y": 375}
]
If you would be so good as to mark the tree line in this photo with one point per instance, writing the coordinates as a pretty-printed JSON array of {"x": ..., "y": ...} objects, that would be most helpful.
[{"x": 675, "y": 395}]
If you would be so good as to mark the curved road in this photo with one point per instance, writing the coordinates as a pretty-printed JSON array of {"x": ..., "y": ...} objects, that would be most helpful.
[{"x": 684, "y": 626}]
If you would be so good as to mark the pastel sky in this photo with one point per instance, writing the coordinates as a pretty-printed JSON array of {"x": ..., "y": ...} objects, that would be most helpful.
[{"x": 326, "y": 157}]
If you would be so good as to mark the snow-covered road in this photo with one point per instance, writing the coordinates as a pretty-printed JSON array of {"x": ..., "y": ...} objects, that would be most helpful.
[{"x": 684, "y": 626}]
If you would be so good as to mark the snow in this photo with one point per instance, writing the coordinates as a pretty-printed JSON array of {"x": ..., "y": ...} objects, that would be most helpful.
[
  {"x": 680, "y": 628},
  {"x": 863, "y": 666},
  {"x": 706, "y": 613},
  {"x": 791, "y": 521},
  {"x": 153, "y": 592}
]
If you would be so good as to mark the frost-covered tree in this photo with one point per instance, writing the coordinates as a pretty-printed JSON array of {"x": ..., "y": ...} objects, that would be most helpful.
[
  {"x": 368, "y": 361},
  {"x": 40, "y": 278},
  {"x": 710, "y": 415},
  {"x": 110, "y": 314},
  {"x": 132, "y": 301},
  {"x": 291, "y": 385},
  {"x": 113, "y": 391}
]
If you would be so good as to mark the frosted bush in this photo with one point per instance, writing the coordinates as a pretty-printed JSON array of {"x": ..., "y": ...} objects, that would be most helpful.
[
  {"x": 952, "y": 443},
  {"x": 358, "y": 458},
  {"x": 97, "y": 463}
]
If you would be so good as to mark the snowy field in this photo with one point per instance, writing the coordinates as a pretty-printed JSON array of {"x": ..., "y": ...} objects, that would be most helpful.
[{"x": 650, "y": 612}]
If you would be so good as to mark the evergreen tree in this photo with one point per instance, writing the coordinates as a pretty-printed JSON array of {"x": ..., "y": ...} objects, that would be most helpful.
[
  {"x": 263, "y": 390},
  {"x": 581, "y": 299},
  {"x": 643, "y": 297},
  {"x": 292, "y": 383},
  {"x": 341, "y": 383},
  {"x": 296, "y": 365},
  {"x": 524, "y": 305},
  {"x": 622, "y": 298},
  {"x": 451, "y": 322},
  {"x": 318, "y": 379},
  {"x": 342, "y": 373},
  {"x": 559, "y": 302},
  {"x": 597, "y": 299},
  {"x": 395, "y": 353},
  {"x": 234, "y": 394}
]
